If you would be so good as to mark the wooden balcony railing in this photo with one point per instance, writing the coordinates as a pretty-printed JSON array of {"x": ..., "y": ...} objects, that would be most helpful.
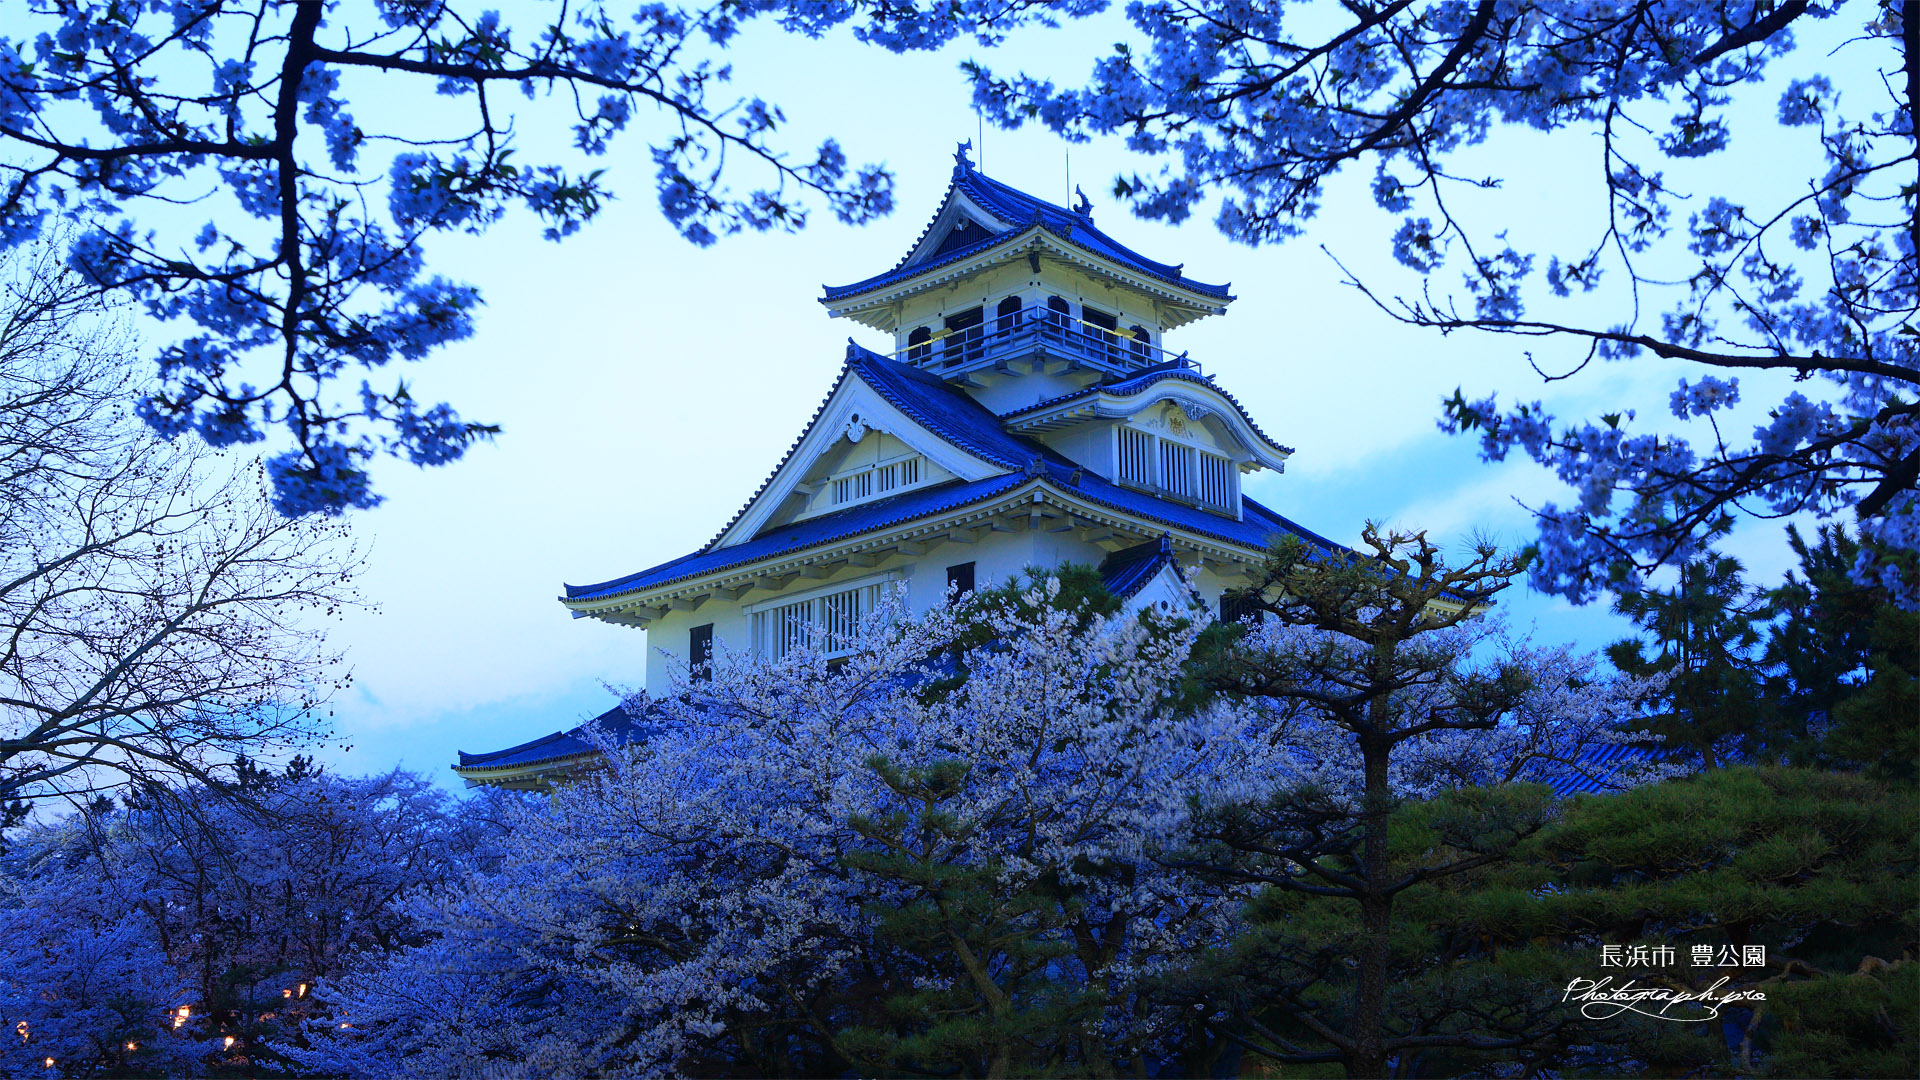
[{"x": 1036, "y": 334}]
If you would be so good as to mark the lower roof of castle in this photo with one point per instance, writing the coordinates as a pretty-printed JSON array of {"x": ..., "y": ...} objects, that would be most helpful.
[{"x": 953, "y": 415}]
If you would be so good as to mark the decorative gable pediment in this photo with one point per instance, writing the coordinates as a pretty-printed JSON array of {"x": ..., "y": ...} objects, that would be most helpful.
[
  {"x": 1192, "y": 420},
  {"x": 855, "y": 436},
  {"x": 960, "y": 223}
]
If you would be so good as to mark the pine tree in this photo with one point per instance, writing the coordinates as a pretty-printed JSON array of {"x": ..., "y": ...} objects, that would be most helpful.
[
  {"x": 1705, "y": 636},
  {"x": 1844, "y": 665},
  {"x": 1376, "y": 659}
]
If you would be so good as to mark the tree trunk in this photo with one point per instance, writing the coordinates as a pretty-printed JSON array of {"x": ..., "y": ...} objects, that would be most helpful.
[{"x": 1368, "y": 1058}]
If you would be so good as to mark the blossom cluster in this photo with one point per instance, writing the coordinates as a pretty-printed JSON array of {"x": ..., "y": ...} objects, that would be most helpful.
[
  {"x": 114, "y": 112},
  {"x": 1262, "y": 105},
  {"x": 793, "y": 841}
]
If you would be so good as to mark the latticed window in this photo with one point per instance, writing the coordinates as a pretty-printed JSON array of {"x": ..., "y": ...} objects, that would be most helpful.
[
  {"x": 1176, "y": 468},
  {"x": 896, "y": 474},
  {"x": 831, "y": 621},
  {"x": 1216, "y": 480},
  {"x": 853, "y": 488},
  {"x": 1136, "y": 457},
  {"x": 873, "y": 481}
]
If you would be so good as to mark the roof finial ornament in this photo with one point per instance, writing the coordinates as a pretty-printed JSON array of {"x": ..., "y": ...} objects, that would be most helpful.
[
  {"x": 1082, "y": 207},
  {"x": 962, "y": 164}
]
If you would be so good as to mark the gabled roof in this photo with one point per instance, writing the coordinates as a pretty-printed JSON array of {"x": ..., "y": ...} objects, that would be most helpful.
[
  {"x": 922, "y": 398},
  {"x": 952, "y": 414},
  {"x": 1016, "y": 213},
  {"x": 1128, "y": 570}
]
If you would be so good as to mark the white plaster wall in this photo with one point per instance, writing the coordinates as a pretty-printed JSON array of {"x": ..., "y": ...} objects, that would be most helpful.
[
  {"x": 996, "y": 557},
  {"x": 1089, "y": 444},
  {"x": 1003, "y": 393},
  {"x": 843, "y": 457},
  {"x": 986, "y": 289}
]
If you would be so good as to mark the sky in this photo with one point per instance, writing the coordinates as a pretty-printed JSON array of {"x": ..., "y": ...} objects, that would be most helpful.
[{"x": 646, "y": 387}]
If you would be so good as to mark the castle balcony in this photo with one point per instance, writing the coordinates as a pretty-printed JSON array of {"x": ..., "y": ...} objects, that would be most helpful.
[{"x": 1036, "y": 338}]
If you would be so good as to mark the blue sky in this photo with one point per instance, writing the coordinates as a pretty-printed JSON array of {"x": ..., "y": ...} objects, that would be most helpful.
[{"x": 646, "y": 387}]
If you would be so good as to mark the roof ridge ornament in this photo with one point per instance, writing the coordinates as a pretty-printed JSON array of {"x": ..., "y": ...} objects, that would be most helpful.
[
  {"x": 962, "y": 164},
  {"x": 1082, "y": 206}
]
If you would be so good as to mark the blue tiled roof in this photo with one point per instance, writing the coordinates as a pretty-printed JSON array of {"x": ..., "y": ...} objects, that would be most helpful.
[
  {"x": 1256, "y": 527},
  {"x": 616, "y": 723},
  {"x": 952, "y": 414},
  {"x": 1597, "y": 765},
  {"x": 1016, "y": 208},
  {"x": 1141, "y": 380},
  {"x": 1127, "y": 571},
  {"x": 923, "y": 397},
  {"x": 809, "y": 533}
]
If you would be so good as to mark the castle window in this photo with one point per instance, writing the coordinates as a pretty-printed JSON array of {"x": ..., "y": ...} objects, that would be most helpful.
[
  {"x": 896, "y": 475},
  {"x": 959, "y": 580},
  {"x": 1176, "y": 469},
  {"x": 1105, "y": 330},
  {"x": 1216, "y": 481},
  {"x": 700, "y": 652},
  {"x": 1008, "y": 316},
  {"x": 829, "y": 621},
  {"x": 1236, "y": 605},
  {"x": 851, "y": 489},
  {"x": 876, "y": 481},
  {"x": 918, "y": 347},
  {"x": 1142, "y": 344},
  {"x": 966, "y": 337},
  {"x": 1059, "y": 312},
  {"x": 1136, "y": 457}
]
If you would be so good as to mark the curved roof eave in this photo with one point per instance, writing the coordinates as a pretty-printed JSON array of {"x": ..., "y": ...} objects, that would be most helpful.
[
  {"x": 1222, "y": 294},
  {"x": 1139, "y": 384}
]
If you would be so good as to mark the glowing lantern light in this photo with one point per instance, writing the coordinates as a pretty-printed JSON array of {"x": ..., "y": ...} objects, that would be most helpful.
[
  {"x": 49, "y": 1063},
  {"x": 229, "y": 1043},
  {"x": 133, "y": 1046}
]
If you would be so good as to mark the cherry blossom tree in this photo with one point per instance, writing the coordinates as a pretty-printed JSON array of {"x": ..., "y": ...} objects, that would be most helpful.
[
  {"x": 307, "y": 273},
  {"x": 1262, "y": 104},
  {"x": 157, "y": 616},
  {"x": 722, "y": 890},
  {"x": 897, "y": 860},
  {"x": 184, "y": 933}
]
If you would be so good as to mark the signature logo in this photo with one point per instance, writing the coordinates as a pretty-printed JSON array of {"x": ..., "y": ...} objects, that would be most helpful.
[{"x": 1602, "y": 999}]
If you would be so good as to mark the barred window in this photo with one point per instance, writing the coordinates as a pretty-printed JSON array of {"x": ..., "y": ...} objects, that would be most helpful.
[
  {"x": 1216, "y": 480},
  {"x": 1136, "y": 457},
  {"x": 832, "y": 620},
  {"x": 1176, "y": 468},
  {"x": 871, "y": 481}
]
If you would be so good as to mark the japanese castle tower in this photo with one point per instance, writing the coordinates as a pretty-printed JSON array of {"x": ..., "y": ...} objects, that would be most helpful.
[{"x": 1029, "y": 413}]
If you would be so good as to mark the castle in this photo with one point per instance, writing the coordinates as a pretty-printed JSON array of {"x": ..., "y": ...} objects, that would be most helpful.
[{"x": 1030, "y": 413}]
